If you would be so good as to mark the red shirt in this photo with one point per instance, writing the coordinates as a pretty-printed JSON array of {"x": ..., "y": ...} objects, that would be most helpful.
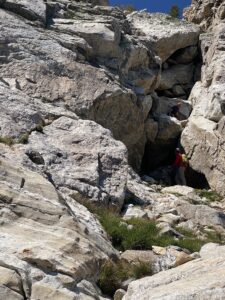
[{"x": 178, "y": 161}]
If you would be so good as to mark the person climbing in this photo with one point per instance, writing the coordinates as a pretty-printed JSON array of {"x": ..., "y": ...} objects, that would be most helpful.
[
  {"x": 175, "y": 111},
  {"x": 179, "y": 168}
]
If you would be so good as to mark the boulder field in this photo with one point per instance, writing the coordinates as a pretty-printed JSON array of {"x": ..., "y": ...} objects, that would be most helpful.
[{"x": 86, "y": 92}]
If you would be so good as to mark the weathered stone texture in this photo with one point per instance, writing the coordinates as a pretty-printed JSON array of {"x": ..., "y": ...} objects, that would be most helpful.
[{"x": 203, "y": 138}]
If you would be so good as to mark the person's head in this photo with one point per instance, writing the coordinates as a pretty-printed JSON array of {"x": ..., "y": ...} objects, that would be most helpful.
[{"x": 178, "y": 150}]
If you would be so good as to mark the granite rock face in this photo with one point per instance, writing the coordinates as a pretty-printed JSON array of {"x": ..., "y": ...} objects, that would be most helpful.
[
  {"x": 54, "y": 68},
  {"x": 52, "y": 55},
  {"x": 42, "y": 239},
  {"x": 203, "y": 138},
  {"x": 31, "y": 9},
  {"x": 81, "y": 155},
  {"x": 206, "y": 13}
]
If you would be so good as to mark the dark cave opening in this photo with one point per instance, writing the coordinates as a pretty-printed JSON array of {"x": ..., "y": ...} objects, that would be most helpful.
[
  {"x": 196, "y": 179},
  {"x": 157, "y": 163},
  {"x": 157, "y": 155}
]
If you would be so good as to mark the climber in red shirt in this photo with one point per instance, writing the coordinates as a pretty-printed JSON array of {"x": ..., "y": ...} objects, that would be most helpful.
[{"x": 179, "y": 167}]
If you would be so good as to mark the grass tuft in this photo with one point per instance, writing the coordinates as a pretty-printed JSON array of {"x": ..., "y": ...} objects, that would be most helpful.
[
  {"x": 211, "y": 196},
  {"x": 39, "y": 128},
  {"x": 143, "y": 234},
  {"x": 8, "y": 140},
  {"x": 113, "y": 274},
  {"x": 23, "y": 139}
]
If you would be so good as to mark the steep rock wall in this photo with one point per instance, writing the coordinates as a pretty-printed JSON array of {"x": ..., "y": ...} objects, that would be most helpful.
[
  {"x": 203, "y": 138},
  {"x": 206, "y": 13}
]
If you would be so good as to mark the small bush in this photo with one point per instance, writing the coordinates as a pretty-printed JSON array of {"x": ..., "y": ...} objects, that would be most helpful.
[
  {"x": 6, "y": 140},
  {"x": 190, "y": 241},
  {"x": 142, "y": 236},
  {"x": 194, "y": 244},
  {"x": 141, "y": 270},
  {"x": 112, "y": 274},
  {"x": 184, "y": 231},
  {"x": 174, "y": 11},
  {"x": 112, "y": 225},
  {"x": 23, "y": 139},
  {"x": 39, "y": 128}
]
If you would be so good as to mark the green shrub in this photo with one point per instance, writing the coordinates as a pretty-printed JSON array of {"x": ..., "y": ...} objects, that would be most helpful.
[
  {"x": 142, "y": 236},
  {"x": 112, "y": 225},
  {"x": 141, "y": 270},
  {"x": 112, "y": 274},
  {"x": 8, "y": 140},
  {"x": 193, "y": 245},
  {"x": 38, "y": 128},
  {"x": 184, "y": 231},
  {"x": 174, "y": 11},
  {"x": 23, "y": 139},
  {"x": 144, "y": 233}
]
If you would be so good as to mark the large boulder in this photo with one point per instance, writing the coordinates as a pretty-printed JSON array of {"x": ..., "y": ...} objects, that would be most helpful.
[
  {"x": 164, "y": 33},
  {"x": 83, "y": 156},
  {"x": 169, "y": 129},
  {"x": 29, "y": 112},
  {"x": 163, "y": 106},
  {"x": 10, "y": 284},
  {"x": 79, "y": 155}
]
